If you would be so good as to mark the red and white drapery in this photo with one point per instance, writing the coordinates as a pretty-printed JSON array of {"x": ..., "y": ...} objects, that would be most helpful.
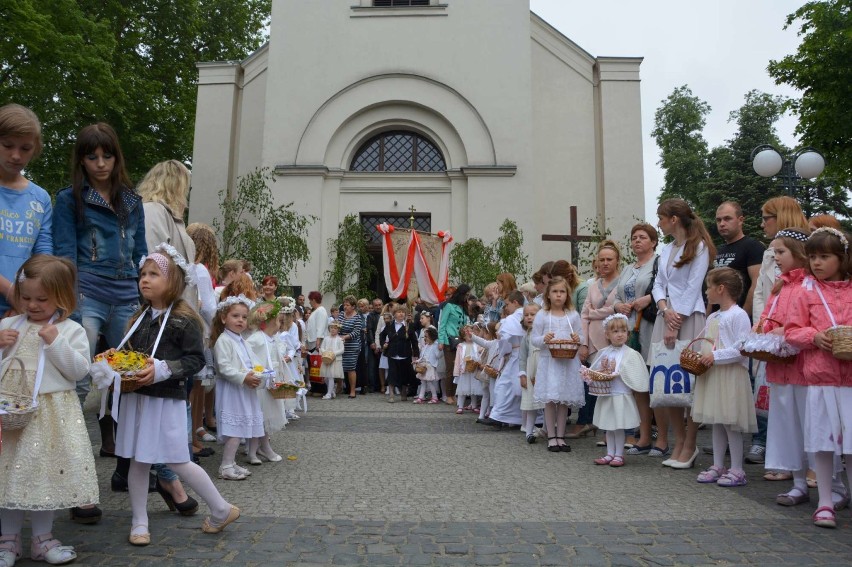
[{"x": 432, "y": 288}]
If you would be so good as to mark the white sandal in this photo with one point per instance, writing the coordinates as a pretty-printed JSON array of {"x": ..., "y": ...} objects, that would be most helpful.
[
  {"x": 273, "y": 458},
  {"x": 202, "y": 435},
  {"x": 48, "y": 548},
  {"x": 242, "y": 470},
  {"x": 10, "y": 549},
  {"x": 231, "y": 472}
]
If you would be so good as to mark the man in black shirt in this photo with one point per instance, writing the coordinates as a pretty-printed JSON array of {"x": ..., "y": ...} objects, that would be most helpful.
[{"x": 740, "y": 252}]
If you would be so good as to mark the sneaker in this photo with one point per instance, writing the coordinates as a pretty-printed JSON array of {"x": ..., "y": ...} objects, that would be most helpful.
[
  {"x": 756, "y": 455},
  {"x": 327, "y": 397}
]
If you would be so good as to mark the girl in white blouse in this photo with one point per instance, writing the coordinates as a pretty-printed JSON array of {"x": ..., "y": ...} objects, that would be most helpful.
[{"x": 681, "y": 310}]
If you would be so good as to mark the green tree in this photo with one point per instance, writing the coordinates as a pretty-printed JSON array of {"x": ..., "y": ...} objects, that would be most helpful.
[
  {"x": 131, "y": 63},
  {"x": 273, "y": 238},
  {"x": 508, "y": 251},
  {"x": 678, "y": 130},
  {"x": 472, "y": 262},
  {"x": 351, "y": 268},
  {"x": 821, "y": 70}
]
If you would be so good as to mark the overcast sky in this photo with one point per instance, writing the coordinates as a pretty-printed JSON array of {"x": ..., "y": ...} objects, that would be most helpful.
[{"x": 720, "y": 49}]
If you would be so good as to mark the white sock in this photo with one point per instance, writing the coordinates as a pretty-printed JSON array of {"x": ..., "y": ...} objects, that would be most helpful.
[
  {"x": 41, "y": 522},
  {"x": 198, "y": 480},
  {"x": 720, "y": 445},
  {"x": 12, "y": 521},
  {"x": 229, "y": 451},
  {"x": 610, "y": 443},
  {"x": 137, "y": 486},
  {"x": 253, "y": 444},
  {"x": 619, "y": 435},
  {"x": 735, "y": 441}
]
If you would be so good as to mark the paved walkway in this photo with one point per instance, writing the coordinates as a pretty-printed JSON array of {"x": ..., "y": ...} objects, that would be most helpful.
[{"x": 381, "y": 484}]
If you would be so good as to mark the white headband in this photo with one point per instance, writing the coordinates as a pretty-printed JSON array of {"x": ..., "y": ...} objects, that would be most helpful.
[
  {"x": 836, "y": 233},
  {"x": 233, "y": 300},
  {"x": 612, "y": 318}
]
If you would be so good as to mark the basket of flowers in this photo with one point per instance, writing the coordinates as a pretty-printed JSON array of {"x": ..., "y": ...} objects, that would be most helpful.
[
  {"x": 841, "y": 341},
  {"x": 768, "y": 347},
  {"x": 564, "y": 348},
  {"x": 126, "y": 363},
  {"x": 600, "y": 379},
  {"x": 16, "y": 408},
  {"x": 328, "y": 357},
  {"x": 690, "y": 360},
  {"x": 283, "y": 390}
]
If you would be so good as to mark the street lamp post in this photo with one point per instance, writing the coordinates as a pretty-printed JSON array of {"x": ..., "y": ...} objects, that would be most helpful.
[{"x": 805, "y": 163}]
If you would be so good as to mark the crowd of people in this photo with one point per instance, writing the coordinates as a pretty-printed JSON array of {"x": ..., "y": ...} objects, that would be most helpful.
[{"x": 558, "y": 358}]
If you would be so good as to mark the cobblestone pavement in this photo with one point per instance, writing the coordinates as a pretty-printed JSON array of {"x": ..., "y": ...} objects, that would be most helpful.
[{"x": 381, "y": 484}]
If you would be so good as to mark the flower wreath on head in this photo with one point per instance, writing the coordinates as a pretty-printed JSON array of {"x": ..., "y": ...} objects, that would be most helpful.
[
  {"x": 836, "y": 233},
  {"x": 288, "y": 309},
  {"x": 268, "y": 310},
  {"x": 612, "y": 318},
  {"x": 233, "y": 300},
  {"x": 158, "y": 257},
  {"x": 286, "y": 300}
]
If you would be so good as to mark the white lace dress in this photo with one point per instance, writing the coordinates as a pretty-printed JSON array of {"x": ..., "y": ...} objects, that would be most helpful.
[
  {"x": 47, "y": 465},
  {"x": 557, "y": 380}
]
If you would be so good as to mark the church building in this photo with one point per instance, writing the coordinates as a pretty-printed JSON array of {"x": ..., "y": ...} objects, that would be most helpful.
[{"x": 466, "y": 112}]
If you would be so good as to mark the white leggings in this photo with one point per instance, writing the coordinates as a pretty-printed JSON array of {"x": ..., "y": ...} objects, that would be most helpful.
[
  {"x": 13, "y": 521},
  {"x": 431, "y": 386}
]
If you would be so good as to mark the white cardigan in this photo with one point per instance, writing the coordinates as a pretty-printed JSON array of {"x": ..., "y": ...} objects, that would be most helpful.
[
  {"x": 66, "y": 359},
  {"x": 681, "y": 287},
  {"x": 229, "y": 364}
]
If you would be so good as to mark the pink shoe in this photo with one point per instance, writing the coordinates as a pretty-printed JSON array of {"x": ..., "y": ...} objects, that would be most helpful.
[
  {"x": 617, "y": 461},
  {"x": 475, "y": 410},
  {"x": 433, "y": 401},
  {"x": 466, "y": 408},
  {"x": 419, "y": 401},
  {"x": 459, "y": 411},
  {"x": 604, "y": 460},
  {"x": 711, "y": 475},
  {"x": 732, "y": 479}
]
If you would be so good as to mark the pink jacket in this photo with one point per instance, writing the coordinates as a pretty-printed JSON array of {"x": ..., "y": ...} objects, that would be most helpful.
[
  {"x": 778, "y": 373},
  {"x": 807, "y": 317},
  {"x": 593, "y": 316}
]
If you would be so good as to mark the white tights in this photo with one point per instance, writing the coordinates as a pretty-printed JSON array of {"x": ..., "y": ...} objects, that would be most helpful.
[
  {"x": 555, "y": 416},
  {"x": 824, "y": 466},
  {"x": 262, "y": 443},
  {"x": 485, "y": 402},
  {"x": 192, "y": 474},
  {"x": 13, "y": 521},
  {"x": 431, "y": 386},
  {"x": 615, "y": 442},
  {"x": 529, "y": 420},
  {"x": 723, "y": 437}
]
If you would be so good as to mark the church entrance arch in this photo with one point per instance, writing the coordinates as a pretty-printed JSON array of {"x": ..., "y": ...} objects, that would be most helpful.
[{"x": 369, "y": 220}]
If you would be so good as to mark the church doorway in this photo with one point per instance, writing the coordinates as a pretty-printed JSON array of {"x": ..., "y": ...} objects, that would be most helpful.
[{"x": 422, "y": 222}]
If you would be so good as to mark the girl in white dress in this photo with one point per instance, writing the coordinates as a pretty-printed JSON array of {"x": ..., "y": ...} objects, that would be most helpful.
[
  {"x": 152, "y": 420},
  {"x": 723, "y": 395},
  {"x": 466, "y": 382},
  {"x": 55, "y": 353},
  {"x": 616, "y": 412},
  {"x": 493, "y": 355},
  {"x": 291, "y": 342},
  {"x": 429, "y": 356},
  {"x": 332, "y": 371},
  {"x": 265, "y": 347},
  {"x": 558, "y": 384},
  {"x": 528, "y": 363},
  {"x": 237, "y": 404}
]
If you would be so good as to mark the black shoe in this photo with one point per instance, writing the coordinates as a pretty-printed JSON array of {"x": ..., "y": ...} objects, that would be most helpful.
[
  {"x": 564, "y": 448},
  {"x": 107, "y": 454},
  {"x": 86, "y": 515},
  {"x": 509, "y": 426},
  {"x": 530, "y": 438},
  {"x": 205, "y": 452},
  {"x": 553, "y": 448},
  {"x": 118, "y": 483},
  {"x": 491, "y": 422},
  {"x": 481, "y": 420},
  {"x": 186, "y": 508}
]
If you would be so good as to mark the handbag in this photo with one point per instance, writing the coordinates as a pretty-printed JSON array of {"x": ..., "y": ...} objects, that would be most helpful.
[
  {"x": 633, "y": 338},
  {"x": 650, "y": 312},
  {"x": 454, "y": 343},
  {"x": 761, "y": 390},
  {"x": 670, "y": 385}
]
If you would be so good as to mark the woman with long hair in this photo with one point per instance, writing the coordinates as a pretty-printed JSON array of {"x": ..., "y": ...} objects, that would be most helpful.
[{"x": 681, "y": 311}]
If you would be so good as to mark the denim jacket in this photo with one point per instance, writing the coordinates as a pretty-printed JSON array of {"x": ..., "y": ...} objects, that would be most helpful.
[{"x": 100, "y": 244}]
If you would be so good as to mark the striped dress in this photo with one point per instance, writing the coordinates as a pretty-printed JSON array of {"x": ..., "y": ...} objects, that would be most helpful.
[{"x": 352, "y": 326}]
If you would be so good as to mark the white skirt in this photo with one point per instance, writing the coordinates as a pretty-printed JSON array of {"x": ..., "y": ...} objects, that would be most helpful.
[
  {"x": 528, "y": 402},
  {"x": 468, "y": 385},
  {"x": 614, "y": 412},
  {"x": 152, "y": 430},
  {"x": 828, "y": 419},
  {"x": 785, "y": 441},
  {"x": 238, "y": 412},
  {"x": 383, "y": 363},
  {"x": 274, "y": 418}
]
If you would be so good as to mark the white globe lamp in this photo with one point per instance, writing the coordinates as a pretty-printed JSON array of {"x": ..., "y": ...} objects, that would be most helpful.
[
  {"x": 767, "y": 163},
  {"x": 809, "y": 164}
]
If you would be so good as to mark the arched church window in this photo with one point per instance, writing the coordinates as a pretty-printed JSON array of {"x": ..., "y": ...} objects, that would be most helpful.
[{"x": 398, "y": 151}]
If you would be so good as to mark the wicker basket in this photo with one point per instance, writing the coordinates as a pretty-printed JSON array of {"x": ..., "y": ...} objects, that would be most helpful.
[
  {"x": 764, "y": 355},
  {"x": 420, "y": 368},
  {"x": 470, "y": 365},
  {"x": 328, "y": 357},
  {"x": 19, "y": 408},
  {"x": 129, "y": 383},
  {"x": 282, "y": 393},
  {"x": 491, "y": 371},
  {"x": 690, "y": 360},
  {"x": 563, "y": 348},
  {"x": 600, "y": 383},
  {"x": 841, "y": 341}
]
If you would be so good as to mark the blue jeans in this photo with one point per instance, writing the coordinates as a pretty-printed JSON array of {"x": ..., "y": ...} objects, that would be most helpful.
[{"x": 100, "y": 318}]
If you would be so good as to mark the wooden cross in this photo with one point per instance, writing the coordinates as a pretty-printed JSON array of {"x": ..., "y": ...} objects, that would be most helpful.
[
  {"x": 412, "y": 210},
  {"x": 574, "y": 238}
]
